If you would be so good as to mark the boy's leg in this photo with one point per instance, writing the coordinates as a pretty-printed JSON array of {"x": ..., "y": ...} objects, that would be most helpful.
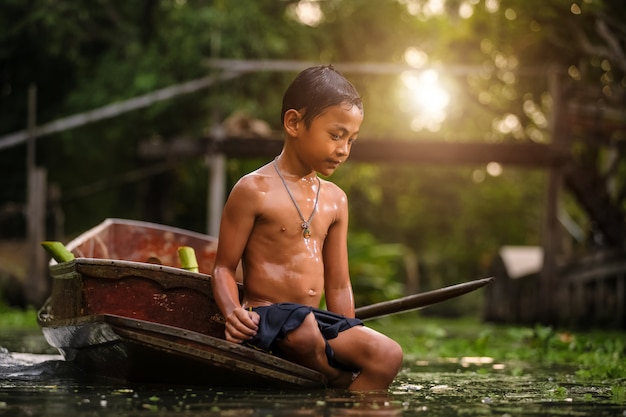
[
  {"x": 378, "y": 357},
  {"x": 306, "y": 346}
]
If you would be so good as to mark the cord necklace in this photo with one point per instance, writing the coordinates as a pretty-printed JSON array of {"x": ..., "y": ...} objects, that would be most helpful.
[{"x": 306, "y": 231}]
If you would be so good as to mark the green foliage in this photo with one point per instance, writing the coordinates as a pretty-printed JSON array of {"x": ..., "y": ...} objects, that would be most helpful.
[
  {"x": 618, "y": 394},
  {"x": 17, "y": 319},
  {"x": 374, "y": 269},
  {"x": 452, "y": 223},
  {"x": 595, "y": 355}
]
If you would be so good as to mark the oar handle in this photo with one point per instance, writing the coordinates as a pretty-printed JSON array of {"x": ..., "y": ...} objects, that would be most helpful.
[{"x": 417, "y": 301}]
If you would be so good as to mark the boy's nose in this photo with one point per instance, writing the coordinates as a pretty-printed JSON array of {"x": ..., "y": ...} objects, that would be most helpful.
[{"x": 343, "y": 149}]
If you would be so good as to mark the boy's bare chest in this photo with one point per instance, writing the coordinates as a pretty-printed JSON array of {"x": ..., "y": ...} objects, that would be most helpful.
[
  {"x": 285, "y": 218},
  {"x": 294, "y": 218}
]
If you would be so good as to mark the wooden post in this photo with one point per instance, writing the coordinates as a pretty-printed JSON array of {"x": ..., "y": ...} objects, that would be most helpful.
[
  {"x": 216, "y": 161},
  {"x": 548, "y": 310},
  {"x": 620, "y": 291},
  {"x": 551, "y": 238},
  {"x": 217, "y": 191},
  {"x": 36, "y": 287}
]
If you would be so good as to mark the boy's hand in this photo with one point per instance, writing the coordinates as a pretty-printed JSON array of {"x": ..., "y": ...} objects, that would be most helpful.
[{"x": 241, "y": 325}]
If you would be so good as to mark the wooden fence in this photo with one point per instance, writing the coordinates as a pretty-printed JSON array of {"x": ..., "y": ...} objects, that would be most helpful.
[{"x": 590, "y": 292}]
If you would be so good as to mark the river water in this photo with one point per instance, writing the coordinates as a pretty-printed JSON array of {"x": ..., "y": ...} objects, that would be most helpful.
[{"x": 35, "y": 381}]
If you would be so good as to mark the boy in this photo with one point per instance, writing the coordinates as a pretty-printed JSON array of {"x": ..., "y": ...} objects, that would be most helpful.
[{"x": 289, "y": 229}]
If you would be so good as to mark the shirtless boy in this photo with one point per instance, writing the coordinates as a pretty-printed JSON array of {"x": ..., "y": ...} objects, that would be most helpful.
[{"x": 289, "y": 229}]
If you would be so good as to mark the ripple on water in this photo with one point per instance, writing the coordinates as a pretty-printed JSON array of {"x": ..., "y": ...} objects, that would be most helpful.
[{"x": 27, "y": 365}]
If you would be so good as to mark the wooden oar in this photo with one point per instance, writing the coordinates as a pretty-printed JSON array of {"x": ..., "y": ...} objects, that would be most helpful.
[{"x": 417, "y": 301}]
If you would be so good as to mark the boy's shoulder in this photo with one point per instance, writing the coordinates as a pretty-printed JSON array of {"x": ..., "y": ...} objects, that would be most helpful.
[
  {"x": 255, "y": 181},
  {"x": 329, "y": 185},
  {"x": 264, "y": 177},
  {"x": 254, "y": 176}
]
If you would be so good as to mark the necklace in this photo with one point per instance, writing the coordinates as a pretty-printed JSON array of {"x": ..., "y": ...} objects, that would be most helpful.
[{"x": 306, "y": 232}]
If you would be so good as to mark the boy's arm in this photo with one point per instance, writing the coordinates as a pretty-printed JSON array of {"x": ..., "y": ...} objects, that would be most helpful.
[
  {"x": 337, "y": 286},
  {"x": 236, "y": 224}
]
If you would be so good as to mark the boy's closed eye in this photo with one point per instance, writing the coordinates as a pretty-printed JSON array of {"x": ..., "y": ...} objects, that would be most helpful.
[{"x": 338, "y": 134}]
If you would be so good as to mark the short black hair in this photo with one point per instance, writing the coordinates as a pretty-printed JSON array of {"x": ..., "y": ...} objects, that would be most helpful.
[{"x": 317, "y": 88}]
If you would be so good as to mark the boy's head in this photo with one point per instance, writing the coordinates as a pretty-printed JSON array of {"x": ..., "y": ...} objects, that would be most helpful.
[{"x": 316, "y": 89}]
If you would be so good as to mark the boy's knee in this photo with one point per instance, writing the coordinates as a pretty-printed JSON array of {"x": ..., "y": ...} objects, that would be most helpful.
[
  {"x": 388, "y": 355},
  {"x": 394, "y": 353},
  {"x": 305, "y": 340}
]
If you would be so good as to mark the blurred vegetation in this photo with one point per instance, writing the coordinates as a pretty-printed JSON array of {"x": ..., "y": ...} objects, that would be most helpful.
[
  {"x": 596, "y": 355},
  {"x": 14, "y": 318},
  {"x": 449, "y": 220}
]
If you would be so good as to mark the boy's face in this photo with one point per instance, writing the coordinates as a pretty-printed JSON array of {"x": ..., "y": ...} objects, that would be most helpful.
[{"x": 327, "y": 142}]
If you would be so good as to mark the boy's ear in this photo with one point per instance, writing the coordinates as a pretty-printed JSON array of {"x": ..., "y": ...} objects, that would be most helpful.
[{"x": 291, "y": 122}]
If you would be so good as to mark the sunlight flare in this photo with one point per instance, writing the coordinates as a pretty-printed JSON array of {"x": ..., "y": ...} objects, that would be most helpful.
[
  {"x": 427, "y": 100},
  {"x": 307, "y": 12}
]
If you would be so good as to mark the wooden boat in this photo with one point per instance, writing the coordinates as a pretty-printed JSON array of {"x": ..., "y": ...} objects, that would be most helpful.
[{"x": 124, "y": 309}]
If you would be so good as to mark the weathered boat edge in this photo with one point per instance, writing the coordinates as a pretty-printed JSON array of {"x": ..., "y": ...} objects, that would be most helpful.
[
  {"x": 157, "y": 293},
  {"x": 111, "y": 221},
  {"x": 140, "y": 351}
]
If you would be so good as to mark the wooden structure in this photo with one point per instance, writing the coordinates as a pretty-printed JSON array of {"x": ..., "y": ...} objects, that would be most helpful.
[{"x": 591, "y": 292}]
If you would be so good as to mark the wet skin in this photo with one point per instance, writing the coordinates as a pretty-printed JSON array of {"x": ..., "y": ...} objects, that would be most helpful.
[{"x": 262, "y": 228}]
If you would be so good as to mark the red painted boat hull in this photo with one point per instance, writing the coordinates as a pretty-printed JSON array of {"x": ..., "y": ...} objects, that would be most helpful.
[{"x": 124, "y": 309}]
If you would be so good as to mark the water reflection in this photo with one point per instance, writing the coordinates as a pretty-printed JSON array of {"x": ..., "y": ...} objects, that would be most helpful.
[{"x": 40, "y": 383}]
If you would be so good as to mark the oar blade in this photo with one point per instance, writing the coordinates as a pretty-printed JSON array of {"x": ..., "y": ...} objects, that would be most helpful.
[{"x": 417, "y": 301}]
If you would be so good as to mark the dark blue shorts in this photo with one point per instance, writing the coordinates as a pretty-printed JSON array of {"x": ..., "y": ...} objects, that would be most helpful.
[{"x": 277, "y": 320}]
